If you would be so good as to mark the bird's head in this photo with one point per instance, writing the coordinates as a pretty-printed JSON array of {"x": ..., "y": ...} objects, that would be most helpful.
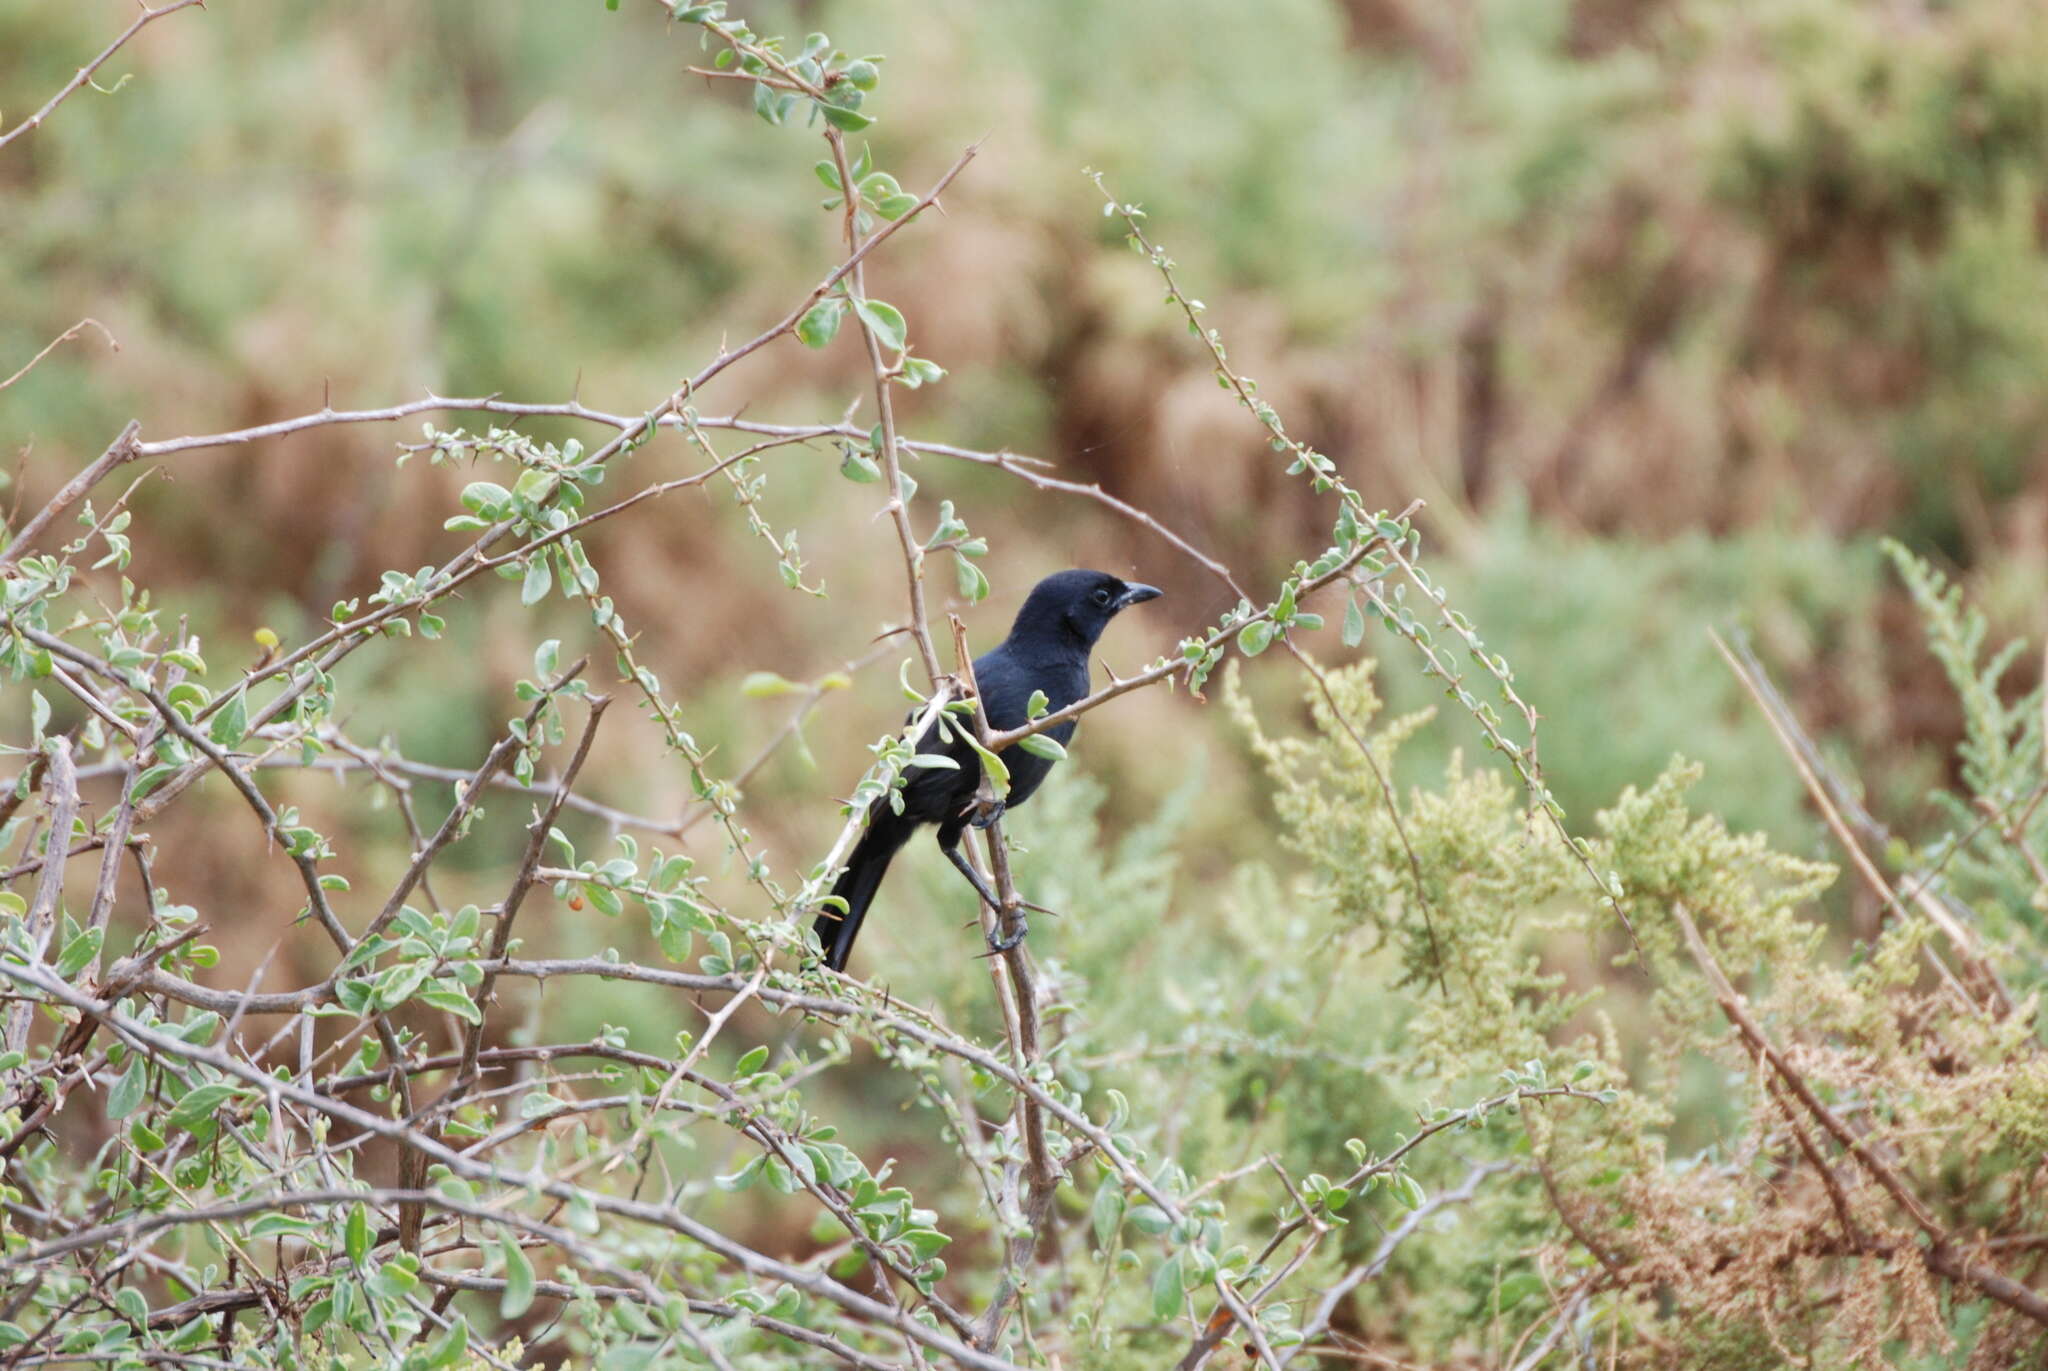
[{"x": 1078, "y": 605}]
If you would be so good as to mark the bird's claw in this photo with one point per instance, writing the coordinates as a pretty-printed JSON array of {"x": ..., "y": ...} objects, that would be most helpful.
[
  {"x": 999, "y": 942},
  {"x": 987, "y": 814}
]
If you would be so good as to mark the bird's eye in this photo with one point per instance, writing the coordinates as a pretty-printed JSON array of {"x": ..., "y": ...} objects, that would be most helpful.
[{"x": 1102, "y": 596}]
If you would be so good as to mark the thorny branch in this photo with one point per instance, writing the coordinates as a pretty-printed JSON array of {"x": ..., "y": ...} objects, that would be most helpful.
[
  {"x": 533, "y": 1177},
  {"x": 66, "y": 336},
  {"x": 1017, "y": 993},
  {"x": 85, "y": 73}
]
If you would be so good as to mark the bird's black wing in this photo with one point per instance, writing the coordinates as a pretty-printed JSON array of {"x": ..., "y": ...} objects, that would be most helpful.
[
  {"x": 1008, "y": 676},
  {"x": 930, "y": 795}
]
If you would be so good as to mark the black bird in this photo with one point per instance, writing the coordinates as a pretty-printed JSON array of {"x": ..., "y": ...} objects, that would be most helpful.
[{"x": 1047, "y": 650}]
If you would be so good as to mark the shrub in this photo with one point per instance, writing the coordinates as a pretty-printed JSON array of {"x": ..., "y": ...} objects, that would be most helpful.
[{"x": 1373, "y": 1094}]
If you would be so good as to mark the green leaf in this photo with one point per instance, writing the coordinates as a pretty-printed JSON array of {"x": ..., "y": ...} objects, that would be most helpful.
[
  {"x": 973, "y": 585},
  {"x": 886, "y": 321},
  {"x": 200, "y": 1105},
  {"x": 1518, "y": 1287},
  {"x": 744, "y": 1177},
  {"x": 133, "y": 1306},
  {"x": 845, "y": 120},
  {"x": 454, "y": 1002},
  {"x": 926, "y": 1242},
  {"x": 1255, "y": 638},
  {"x": 998, "y": 770},
  {"x": 1166, "y": 1288},
  {"x": 1150, "y": 1220},
  {"x": 1107, "y": 1212},
  {"x": 393, "y": 1280},
  {"x": 282, "y": 1226},
  {"x": 357, "y": 1235},
  {"x": 820, "y": 324},
  {"x": 398, "y": 984},
  {"x": 766, "y": 685},
  {"x": 1039, "y": 745},
  {"x": 154, "y": 777},
  {"x": 127, "y": 1092},
  {"x": 858, "y": 467},
  {"x": 752, "y": 1062},
  {"x": 485, "y": 497},
  {"x": 540, "y": 579},
  {"x": 1354, "y": 623},
  {"x": 231, "y": 725},
  {"x": 536, "y": 486},
  {"x": 447, "y": 1349},
  {"x": 518, "y": 1297},
  {"x": 546, "y": 658},
  {"x": 78, "y": 952}
]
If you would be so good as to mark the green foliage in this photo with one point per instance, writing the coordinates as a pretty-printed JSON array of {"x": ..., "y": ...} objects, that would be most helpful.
[
  {"x": 1614, "y": 643},
  {"x": 1989, "y": 857},
  {"x": 1456, "y": 1065}
]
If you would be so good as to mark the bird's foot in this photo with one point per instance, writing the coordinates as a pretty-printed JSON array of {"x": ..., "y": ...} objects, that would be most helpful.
[
  {"x": 988, "y": 813},
  {"x": 1000, "y": 942}
]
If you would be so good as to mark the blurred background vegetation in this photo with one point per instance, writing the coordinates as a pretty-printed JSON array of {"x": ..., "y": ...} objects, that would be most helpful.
[
  {"x": 1670, "y": 309},
  {"x": 1665, "y": 308}
]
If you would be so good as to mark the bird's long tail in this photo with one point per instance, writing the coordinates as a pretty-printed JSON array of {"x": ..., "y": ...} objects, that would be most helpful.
[{"x": 887, "y": 832}]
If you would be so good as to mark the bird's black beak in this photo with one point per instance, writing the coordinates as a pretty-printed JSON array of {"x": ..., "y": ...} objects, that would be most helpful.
[{"x": 1136, "y": 593}]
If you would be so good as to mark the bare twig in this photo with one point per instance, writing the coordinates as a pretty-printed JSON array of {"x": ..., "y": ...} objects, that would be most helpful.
[
  {"x": 60, "y": 791},
  {"x": 1309, "y": 1216},
  {"x": 1018, "y": 995},
  {"x": 118, "y": 453},
  {"x": 885, "y": 405},
  {"x": 171, "y": 1047},
  {"x": 537, "y": 841},
  {"x": 66, "y": 336},
  {"x": 1318, "y": 1323},
  {"x": 84, "y": 73},
  {"x": 1992, "y": 991}
]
